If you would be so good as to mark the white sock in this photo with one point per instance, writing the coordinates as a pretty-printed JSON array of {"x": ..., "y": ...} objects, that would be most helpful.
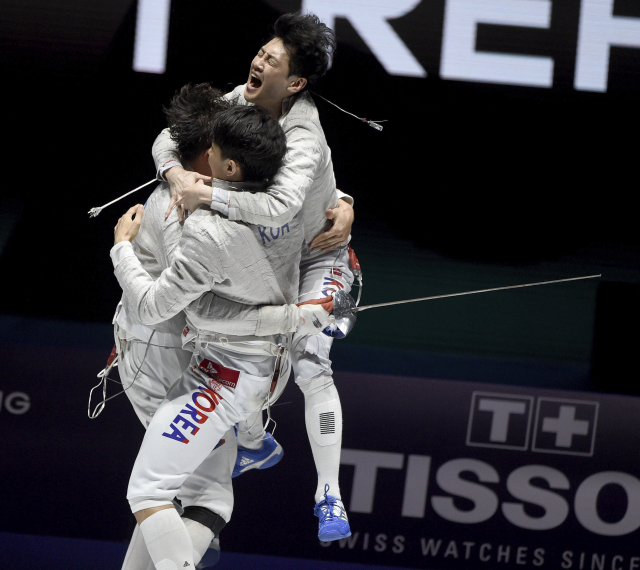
[
  {"x": 251, "y": 432},
  {"x": 137, "y": 557},
  {"x": 323, "y": 418},
  {"x": 168, "y": 541},
  {"x": 201, "y": 537}
]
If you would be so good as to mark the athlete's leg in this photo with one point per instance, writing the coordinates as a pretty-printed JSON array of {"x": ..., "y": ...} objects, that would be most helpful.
[
  {"x": 311, "y": 363},
  {"x": 147, "y": 371},
  {"x": 320, "y": 277},
  {"x": 204, "y": 494},
  {"x": 180, "y": 437},
  {"x": 323, "y": 412}
]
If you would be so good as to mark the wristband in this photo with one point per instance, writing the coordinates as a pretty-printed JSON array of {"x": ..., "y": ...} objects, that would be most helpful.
[
  {"x": 220, "y": 200},
  {"x": 166, "y": 166}
]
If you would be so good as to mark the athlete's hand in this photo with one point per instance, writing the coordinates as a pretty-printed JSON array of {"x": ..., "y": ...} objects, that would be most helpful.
[
  {"x": 342, "y": 218},
  {"x": 179, "y": 179},
  {"x": 195, "y": 196},
  {"x": 315, "y": 315},
  {"x": 129, "y": 224}
]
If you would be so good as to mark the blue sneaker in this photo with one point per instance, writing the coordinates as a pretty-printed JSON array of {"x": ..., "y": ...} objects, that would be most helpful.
[
  {"x": 267, "y": 456},
  {"x": 211, "y": 556},
  {"x": 333, "y": 524}
]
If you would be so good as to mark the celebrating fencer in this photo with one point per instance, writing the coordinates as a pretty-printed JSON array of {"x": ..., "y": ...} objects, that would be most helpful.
[
  {"x": 229, "y": 377},
  {"x": 151, "y": 357},
  {"x": 279, "y": 79},
  {"x": 152, "y": 329}
]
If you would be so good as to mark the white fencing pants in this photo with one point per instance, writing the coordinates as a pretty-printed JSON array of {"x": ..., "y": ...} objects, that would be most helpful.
[
  {"x": 147, "y": 371},
  {"x": 217, "y": 390}
]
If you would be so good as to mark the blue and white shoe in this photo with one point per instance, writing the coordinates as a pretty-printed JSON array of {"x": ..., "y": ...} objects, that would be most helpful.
[
  {"x": 267, "y": 456},
  {"x": 333, "y": 523}
]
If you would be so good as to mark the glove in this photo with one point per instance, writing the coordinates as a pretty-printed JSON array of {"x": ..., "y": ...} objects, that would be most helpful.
[{"x": 315, "y": 315}]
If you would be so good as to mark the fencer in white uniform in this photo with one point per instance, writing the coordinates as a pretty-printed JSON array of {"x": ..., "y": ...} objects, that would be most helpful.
[
  {"x": 151, "y": 358},
  {"x": 229, "y": 376},
  {"x": 278, "y": 76}
]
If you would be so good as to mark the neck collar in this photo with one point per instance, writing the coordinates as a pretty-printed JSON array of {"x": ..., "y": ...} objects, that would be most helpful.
[{"x": 238, "y": 186}]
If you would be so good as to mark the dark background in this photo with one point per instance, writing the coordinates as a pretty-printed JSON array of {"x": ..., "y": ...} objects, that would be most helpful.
[
  {"x": 471, "y": 171},
  {"x": 468, "y": 186}
]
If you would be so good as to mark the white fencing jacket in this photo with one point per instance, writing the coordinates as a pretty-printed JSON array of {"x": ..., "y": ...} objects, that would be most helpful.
[
  {"x": 235, "y": 262},
  {"x": 305, "y": 181}
]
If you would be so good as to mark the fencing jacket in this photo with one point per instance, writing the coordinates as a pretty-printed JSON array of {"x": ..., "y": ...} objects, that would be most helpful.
[
  {"x": 305, "y": 181},
  {"x": 238, "y": 263},
  {"x": 154, "y": 246}
]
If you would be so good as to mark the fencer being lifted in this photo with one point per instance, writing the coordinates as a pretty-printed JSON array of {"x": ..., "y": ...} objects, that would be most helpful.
[
  {"x": 279, "y": 78},
  {"x": 324, "y": 271}
]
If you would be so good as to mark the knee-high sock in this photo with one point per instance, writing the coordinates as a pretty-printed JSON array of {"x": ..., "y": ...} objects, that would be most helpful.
[
  {"x": 168, "y": 541},
  {"x": 251, "y": 431},
  {"x": 201, "y": 537},
  {"x": 137, "y": 557},
  {"x": 323, "y": 418}
]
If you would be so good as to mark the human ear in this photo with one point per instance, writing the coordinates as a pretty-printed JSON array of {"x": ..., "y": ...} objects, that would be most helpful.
[
  {"x": 297, "y": 85},
  {"x": 232, "y": 167}
]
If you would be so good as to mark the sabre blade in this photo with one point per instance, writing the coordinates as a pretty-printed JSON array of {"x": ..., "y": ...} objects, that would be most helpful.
[
  {"x": 359, "y": 309},
  {"x": 94, "y": 212}
]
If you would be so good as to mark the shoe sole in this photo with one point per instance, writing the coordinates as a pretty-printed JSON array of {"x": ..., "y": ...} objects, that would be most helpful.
[{"x": 331, "y": 536}]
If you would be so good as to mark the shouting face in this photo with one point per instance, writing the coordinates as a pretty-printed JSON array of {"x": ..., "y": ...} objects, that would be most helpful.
[{"x": 269, "y": 80}]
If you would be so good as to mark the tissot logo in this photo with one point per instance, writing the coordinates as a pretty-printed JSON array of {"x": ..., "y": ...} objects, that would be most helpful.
[
  {"x": 505, "y": 421},
  {"x": 596, "y": 28},
  {"x": 565, "y": 426},
  {"x": 498, "y": 420},
  {"x": 553, "y": 499},
  {"x": 16, "y": 403}
]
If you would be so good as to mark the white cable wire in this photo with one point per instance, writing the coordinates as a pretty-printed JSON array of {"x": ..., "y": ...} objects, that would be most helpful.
[
  {"x": 104, "y": 375},
  {"x": 96, "y": 211},
  {"x": 374, "y": 124}
]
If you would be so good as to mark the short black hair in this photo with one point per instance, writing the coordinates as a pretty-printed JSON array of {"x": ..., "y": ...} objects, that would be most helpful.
[
  {"x": 190, "y": 116},
  {"x": 309, "y": 42},
  {"x": 246, "y": 134}
]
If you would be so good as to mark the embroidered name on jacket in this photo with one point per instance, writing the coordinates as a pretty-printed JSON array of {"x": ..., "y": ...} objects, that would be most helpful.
[{"x": 268, "y": 234}]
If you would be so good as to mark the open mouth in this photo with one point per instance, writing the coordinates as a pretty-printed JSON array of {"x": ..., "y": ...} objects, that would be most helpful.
[{"x": 254, "y": 82}]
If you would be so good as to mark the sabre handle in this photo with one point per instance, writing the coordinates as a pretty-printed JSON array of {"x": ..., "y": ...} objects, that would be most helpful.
[{"x": 354, "y": 263}]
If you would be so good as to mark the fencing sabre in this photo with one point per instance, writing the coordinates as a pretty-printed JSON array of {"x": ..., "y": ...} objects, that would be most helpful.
[
  {"x": 95, "y": 211},
  {"x": 345, "y": 308}
]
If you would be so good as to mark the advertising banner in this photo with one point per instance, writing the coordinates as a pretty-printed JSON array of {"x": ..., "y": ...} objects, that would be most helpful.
[
  {"x": 453, "y": 475},
  {"x": 64, "y": 474},
  {"x": 435, "y": 474}
]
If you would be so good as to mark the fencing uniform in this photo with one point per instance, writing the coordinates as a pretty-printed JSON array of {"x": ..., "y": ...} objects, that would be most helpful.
[
  {"x": 305, "y": 184},
  {"x": 233, "y": 373},
  {"x": 151, "y": 359}
]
